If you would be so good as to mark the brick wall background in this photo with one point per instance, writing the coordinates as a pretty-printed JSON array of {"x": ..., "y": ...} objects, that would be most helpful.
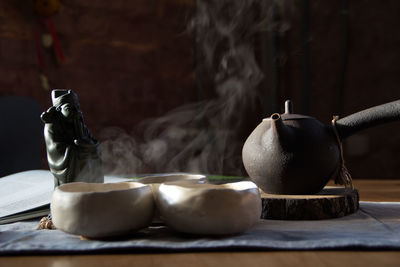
[
  {"x": 133, "y": 60},
  {"x": 124, "y": 59}
]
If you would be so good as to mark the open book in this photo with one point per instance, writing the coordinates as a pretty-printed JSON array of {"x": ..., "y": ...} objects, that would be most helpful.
[{"x": 27, "y": 195}]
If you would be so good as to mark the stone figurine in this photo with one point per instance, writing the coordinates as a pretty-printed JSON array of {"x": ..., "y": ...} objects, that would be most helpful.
[{"x": 73, "y": 154}]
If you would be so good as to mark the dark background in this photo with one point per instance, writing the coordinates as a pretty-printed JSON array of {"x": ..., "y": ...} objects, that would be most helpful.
[{"x": 133, "y": 60}]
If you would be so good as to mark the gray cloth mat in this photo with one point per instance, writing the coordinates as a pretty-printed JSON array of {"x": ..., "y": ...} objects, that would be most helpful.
[{"x": 375, "y": 226}]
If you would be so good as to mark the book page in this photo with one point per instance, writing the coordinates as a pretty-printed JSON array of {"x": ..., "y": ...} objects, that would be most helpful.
[
  {"x": 24, "y": 191},
  {"x": 30, "y": 189}
]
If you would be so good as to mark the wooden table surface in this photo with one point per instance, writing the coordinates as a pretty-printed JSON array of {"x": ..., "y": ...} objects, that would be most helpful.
[{"x": 370, "y": 190}]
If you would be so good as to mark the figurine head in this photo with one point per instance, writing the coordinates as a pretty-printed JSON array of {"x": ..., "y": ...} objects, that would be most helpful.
[{"x": 66, "y": 102}]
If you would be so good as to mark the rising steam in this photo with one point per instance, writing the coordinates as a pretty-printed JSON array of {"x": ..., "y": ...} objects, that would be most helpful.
[{"x": 201, "y": 137}]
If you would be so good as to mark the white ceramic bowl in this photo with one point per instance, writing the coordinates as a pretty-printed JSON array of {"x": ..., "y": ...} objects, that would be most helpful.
[
  {"x": 97, "y": 210},
  {"x": 156, "y": 180},
  {"x": 209, "y": 209}
]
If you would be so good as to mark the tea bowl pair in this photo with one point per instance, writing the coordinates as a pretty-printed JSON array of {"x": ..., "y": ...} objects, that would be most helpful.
[{"x": 184, "y": 203}]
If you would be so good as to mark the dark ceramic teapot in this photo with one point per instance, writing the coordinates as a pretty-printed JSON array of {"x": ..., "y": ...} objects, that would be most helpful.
[{"x": 296, "y": 154}]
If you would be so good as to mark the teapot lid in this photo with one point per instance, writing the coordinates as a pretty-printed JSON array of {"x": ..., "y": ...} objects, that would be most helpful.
[{"x": 289, "y": 115}]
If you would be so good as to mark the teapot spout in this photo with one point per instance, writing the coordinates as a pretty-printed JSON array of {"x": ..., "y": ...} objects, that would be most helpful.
[{"x": 282, "y": 133}]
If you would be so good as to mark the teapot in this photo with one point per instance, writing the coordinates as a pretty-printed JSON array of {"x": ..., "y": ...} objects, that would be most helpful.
[{"x": 296, "y": 154}]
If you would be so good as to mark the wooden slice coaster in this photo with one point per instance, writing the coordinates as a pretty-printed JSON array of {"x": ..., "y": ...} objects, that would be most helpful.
[{"x": 331, "y": 202}]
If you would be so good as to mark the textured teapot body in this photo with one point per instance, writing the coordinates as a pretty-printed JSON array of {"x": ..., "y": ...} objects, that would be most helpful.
[
  {"x": 296, "y": 154},
  {"x": 291, "y": 154}
]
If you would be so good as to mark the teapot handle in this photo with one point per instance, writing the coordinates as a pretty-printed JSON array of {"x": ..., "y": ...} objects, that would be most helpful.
[{"x": 368, "y": 118}]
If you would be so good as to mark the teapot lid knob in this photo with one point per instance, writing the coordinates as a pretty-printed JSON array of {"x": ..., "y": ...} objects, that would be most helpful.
[{"x": 288, "y": 107}]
